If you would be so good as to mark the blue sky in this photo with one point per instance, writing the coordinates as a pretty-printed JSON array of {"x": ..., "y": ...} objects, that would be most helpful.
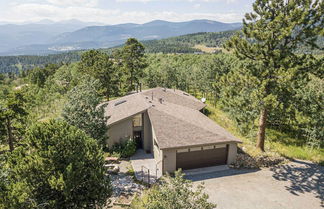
[{"x": 122, "y": 11}]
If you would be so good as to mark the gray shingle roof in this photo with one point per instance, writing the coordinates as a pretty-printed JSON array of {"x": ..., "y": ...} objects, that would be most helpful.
[
  {"x": 177, "y": 121},
  {"x": 133, "y": 105},
  {"x": 139, "y": 102},
  {"x": 175, "y": 97},
  {"x": 177, "y": 126}
]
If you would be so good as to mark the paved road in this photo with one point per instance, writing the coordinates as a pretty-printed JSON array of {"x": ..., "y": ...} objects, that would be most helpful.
[{"x": 297, "y": 185}]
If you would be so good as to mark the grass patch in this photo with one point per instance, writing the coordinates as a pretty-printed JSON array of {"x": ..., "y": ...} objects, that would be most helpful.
[
  {"x": 276, "y": 141},
  {"x": 299, "y": 152},
  {"x": 206, "y": 49}
]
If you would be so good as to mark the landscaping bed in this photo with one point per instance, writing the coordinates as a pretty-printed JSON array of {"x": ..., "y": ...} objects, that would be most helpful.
[{"x": 261, "y": 160}]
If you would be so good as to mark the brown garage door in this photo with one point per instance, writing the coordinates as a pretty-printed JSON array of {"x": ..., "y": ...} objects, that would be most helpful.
[{"x": 201, "y": 158}]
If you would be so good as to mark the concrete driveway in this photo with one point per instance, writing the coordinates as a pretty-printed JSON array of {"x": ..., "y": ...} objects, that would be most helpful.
[{"x": 297, "y": 185}]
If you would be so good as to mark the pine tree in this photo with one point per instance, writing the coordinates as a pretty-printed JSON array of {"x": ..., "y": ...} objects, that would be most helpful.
[
  {"x": 99, "y": 65},
  {"x": 133, "y": 60},
  {"x": 269, "y": 38},
  {"x": 84, "y": 111},
  {"x": 12, "y": 116},
  {"x": 57, "y": 166}
]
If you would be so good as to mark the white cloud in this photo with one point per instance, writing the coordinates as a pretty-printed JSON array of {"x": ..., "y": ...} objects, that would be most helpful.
[
  {"x": 36, "y": 12},
  {"x": 66, "y": 3},
  {"x": 227, "y": 1},
  {"x": 135, "y": 1}
]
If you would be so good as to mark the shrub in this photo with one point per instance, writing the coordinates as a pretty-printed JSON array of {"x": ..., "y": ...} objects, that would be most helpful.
[
  {"x": 173, "y": 193},
  {"x": 125, "y": 150},
  {"x": 58, "y": 166}
]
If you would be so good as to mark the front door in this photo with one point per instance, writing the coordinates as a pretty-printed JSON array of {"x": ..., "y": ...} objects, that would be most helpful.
[{"x": 138, "y": 139}]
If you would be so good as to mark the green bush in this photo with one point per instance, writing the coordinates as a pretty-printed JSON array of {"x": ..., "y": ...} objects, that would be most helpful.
[
  {"x": 173, "y": 193},
  {"x": 58, "y": 166},
  {"x": 124, "y": 150}
]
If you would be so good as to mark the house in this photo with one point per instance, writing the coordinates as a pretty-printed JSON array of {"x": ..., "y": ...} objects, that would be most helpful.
[{"x": 169, "y": 124}]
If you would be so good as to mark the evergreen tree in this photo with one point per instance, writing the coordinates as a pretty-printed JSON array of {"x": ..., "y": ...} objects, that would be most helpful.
[
  {"x": 84, "y": 111},
  {"x": 99, "y": 65},
  {"x": 310, "y": 111},
  {"x": 12, "y": 116},
  {"x": 269, "y": 38},
  {"x": 133, "y": 60},
  {"x": 39, "y": 76},
  {"x": 58, "y": 166}
]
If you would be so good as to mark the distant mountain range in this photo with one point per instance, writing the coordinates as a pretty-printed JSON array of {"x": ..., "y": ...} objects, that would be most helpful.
[
  {"x": 18, "y": 36},
  {"x": 47, "y": 37}
]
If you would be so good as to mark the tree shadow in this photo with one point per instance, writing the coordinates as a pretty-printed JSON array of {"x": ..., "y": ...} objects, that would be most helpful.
[{"x": 303, "y": 177}]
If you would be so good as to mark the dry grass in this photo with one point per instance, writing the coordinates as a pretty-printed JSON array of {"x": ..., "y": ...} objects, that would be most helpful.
[
  {"x": 207, "y": 49},
  {"x": 276, "y": 142}
]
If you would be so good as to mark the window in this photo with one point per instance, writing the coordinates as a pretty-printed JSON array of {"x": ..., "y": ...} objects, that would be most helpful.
[
  {"x": 182, "y": 150},
  {"x": 220, "y": 146},
  {"x": 137, "y": 120},
  {"x": 208, "y": 147},
  {"x": 195, "y": 149}
]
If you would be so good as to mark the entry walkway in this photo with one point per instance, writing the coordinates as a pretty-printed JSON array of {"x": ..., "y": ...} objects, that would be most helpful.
[{"x": 144, "y": 166}]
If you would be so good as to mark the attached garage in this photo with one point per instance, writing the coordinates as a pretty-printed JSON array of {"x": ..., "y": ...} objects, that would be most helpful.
[{"x": 199, "y": 157}]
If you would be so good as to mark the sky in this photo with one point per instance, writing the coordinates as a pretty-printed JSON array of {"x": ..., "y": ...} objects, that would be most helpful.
[{"x": 123, "y": 11}]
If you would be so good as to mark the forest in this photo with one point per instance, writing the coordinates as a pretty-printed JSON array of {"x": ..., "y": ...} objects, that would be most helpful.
[
  {"x": 264, "y": 91},
  {"x": 179, "y": 45},
  {"x": 220, "y": 78}
]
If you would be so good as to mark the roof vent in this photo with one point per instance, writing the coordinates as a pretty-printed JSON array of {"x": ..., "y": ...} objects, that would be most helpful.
[
  {"x": 160, "y": 100},
  {"x": 120, "y": 102},
  {"x": 185, "y": 94},
  {"x": 164, "y": 89}
]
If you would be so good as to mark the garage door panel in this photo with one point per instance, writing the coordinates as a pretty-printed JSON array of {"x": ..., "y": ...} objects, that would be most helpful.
[{"x": 202, "y": 158}]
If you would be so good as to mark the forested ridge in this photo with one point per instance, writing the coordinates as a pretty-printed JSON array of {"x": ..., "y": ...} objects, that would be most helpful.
[
  {"x": 178, "y": 44},
  {"x": 186, "y": 43},
  {"x": 14, "y": 64}
]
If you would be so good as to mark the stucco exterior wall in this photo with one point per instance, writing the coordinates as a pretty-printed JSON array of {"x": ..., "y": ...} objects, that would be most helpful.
[
  {"x": 232, "y": 152},
  {"x": 147, "y": 139},
  {"x": 120, "y": 132},
  {"x": 169, "y": 161},
  {"x": 156, "y": 150}
]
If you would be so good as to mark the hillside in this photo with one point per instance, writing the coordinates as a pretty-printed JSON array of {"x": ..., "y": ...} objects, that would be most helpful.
[
  {"x": 209, "y": 42},
  {"x": 14, "y": 64},
  {"x": 15, "y": 37},
  {"x": 187, "y": 43},
  {"x": 179, "y": 44},
  {"x": 100, "y": 36}
]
